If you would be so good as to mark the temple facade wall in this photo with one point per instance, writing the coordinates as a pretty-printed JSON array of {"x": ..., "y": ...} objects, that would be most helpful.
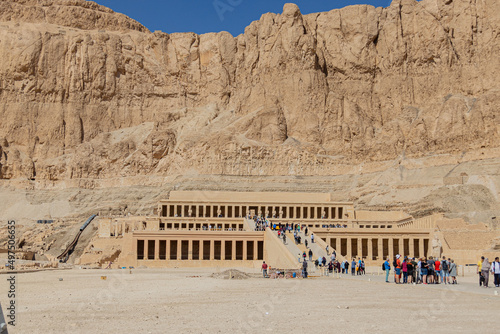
[
  {"x": 212, "y": 230},
  {"x": 376, "y": 246},
  {"x": 302, "y": 211}
]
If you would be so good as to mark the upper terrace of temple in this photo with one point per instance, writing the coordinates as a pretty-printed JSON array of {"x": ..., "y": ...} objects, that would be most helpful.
[
  {"x": 275, "y": 205},
  {"x": 249, "y": 197}
]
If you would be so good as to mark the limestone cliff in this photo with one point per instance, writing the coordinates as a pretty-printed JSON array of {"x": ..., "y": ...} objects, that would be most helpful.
[{"x": 87, "y": 94}]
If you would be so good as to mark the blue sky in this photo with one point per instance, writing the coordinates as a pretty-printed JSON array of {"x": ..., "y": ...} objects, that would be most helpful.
[{"x": 201, "y": 16}]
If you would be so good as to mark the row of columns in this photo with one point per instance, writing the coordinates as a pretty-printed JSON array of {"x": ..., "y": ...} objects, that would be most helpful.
[
  {"x": 336, "y": 242},
  {"x": 211, "y": 226},
  {"x": 201, "y": 251},
  {"x": 238, "y": 211}
]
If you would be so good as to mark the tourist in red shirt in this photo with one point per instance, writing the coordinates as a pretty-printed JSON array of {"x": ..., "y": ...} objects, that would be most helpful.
[
  {"x": 437, "y": 270},
  {"x": 404, "y": 268},
  {"x": 264, "y": 269}
]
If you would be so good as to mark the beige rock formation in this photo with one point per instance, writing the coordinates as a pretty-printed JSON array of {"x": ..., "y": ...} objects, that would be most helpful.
[{"x": 388, "y": 102}]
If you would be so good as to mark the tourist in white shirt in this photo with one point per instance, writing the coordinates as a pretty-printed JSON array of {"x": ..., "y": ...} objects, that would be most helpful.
[{"x": 495, "y": 269}]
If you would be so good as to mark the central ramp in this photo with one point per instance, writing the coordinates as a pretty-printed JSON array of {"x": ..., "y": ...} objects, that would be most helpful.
[{"x": 278, "y": 254}]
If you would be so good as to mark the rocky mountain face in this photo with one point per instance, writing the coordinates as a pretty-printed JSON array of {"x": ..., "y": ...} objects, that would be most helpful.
[{"x": 88, "y": 95}]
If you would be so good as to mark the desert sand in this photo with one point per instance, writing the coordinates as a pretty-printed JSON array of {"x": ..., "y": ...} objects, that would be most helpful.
[{"x": 191, "y": 301}]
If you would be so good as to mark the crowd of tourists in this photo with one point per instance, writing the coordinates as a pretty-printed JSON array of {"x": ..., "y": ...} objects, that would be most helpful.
[
  {"x": 334, "y": 226},
  {"x": 433, "y": 270},
  {"x": 261, "y": 223},
  {"x": 421, "y": 271},
  {"x": 485, "y": 268}
]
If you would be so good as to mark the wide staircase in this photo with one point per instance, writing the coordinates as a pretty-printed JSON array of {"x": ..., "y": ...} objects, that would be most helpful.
[
  {"x": 292, "y": 247},
  {"x": 296, "y": 250},
  {"x": 318, "y": 247}
]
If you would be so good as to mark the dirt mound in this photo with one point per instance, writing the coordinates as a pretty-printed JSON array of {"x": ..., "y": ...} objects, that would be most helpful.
[{"x": 231, "y": 274}]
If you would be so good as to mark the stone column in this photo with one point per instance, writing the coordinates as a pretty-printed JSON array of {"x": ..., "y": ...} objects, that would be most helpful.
[
  {"x": 245, "y": 249},
  {"x": 233, "y": 249},
  {"x": 349, "y": 249},
  {"x": 179, "y": 249},
  {"x": 411, "y": 244},
  {"x": 146, "y": 254},
  {"x": 223, "y": 250},
  {"x": 212, "y": 250},
  {"x": 255, "y": 250},
  {"x": 391, "y": 247},
  {"x": 201, "y": 249},
  {"x": 190, "y": 249},
  {"x": 370, "y": 249},
  {"x": 167, "y": 255},
  {"x": 421, "y": 247},
  {"x": 134, "y": 248},
  {"x": 157, "y": 249},
  {"x": 380, "y": 249},
  {"x": 360, "y": 247},
  {"x": 402, "y": 247}
]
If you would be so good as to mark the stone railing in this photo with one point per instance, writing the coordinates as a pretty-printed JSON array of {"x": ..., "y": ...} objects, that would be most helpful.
[{"x": 428, "y": 222}]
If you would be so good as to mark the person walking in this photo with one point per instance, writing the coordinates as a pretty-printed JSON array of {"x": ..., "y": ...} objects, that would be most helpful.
[
  {"x": 312, "y": 238},
  {"x": 479, "y": 264},
  {"x": 415, "y": 270},
  {"x": 445, "y": 271},
  {"x": 430, "y": 270},
  {"x": 310, "y": 255},
  {"x": 424, "y": 267},
  {"x": 397, "y": 269},
  {"x": 410, "y": 268},
  {"x": 485, "y": 271},
  {"x": 404, "y": 269},
  {"x": 304, "y": 269},
  {"x": 437, "y": 271},
  {"x": 495, "y": 269},
  {"x": 387, "y": 268},
  {"x": 264, "y": 269},
  {"x": 453, "y": 271}
]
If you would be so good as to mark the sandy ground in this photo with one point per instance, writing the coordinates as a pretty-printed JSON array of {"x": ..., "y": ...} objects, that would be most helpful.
[{"x": 190, "y": 301}]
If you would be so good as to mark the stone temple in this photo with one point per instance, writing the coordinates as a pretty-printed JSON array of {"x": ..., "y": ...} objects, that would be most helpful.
[{"x": 209, "y": 229}]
